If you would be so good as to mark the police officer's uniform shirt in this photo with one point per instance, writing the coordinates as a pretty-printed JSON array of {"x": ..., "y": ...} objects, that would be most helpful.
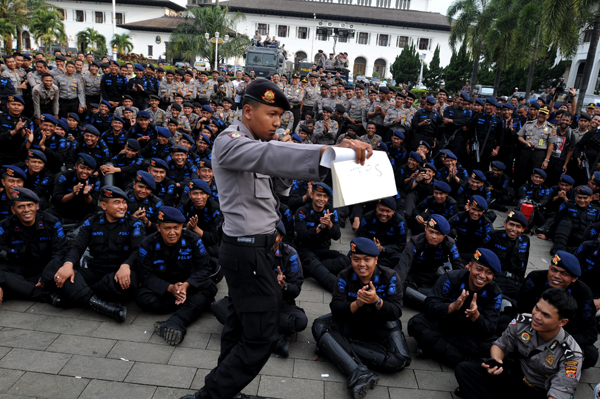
[
  {"x": 541, "y": 136},
  {"x": 41, "y": 183},
  {"x": 465, "y": 192},
  {"x": 587, "y": 254},
  {"x": 119, "y": 110},
  {"x": 391, "y": 234},
  {"x": 167, "y": 90},
  {"x": 70, "y": 88},
  {"x": 154, "y": 149},
  {"x": 166, "y": 190},
  {"x": 115, "y": 143},
  {"x": 311, "y": 93},
  {"x": 320, "y": 136},
  {"x": 204, "y": 91},
  {"x": 56, "y": 149},
  {"x": 210, "y": 219},
  {"x": 91, "y": 84},
  {"x": 539, "y": 194},
  {"x": 287, "y": 259},
  {"x": 306, "y": 222},
  {"x": 189, "y": 90},
  {"x": 295, "y": 94},
  {"x": 470, "y": 234},
  {"x": 429, "y": 207},
  {"x": 554, "y": 366},
  {"x": 581, "y": 217},
  {"x": 393, "y": 114},
  {"x": 287, "y": 120},
  {"x": 356, "y": 107},
  {"x": 243, "y": 165},
  {"x": 15, "y": 77},
  {"x": 513, "y": 254},
  {"x": 151, "y": 205},
  {"x": 34, "y": 79},
  {"x": 76, "y": 206},
  {"x": 113, "y": 87},
  {"x": 42, "y": 97},
  {"x": 373, "y": 141}
]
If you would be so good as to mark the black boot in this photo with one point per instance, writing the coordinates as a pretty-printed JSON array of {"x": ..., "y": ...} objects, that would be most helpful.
[
  {"x": 283, "y": 346},
  {"x": 117, "y": 312},
  {"x": 363, "y": 384},
  {"x": 172, "y": 335}
]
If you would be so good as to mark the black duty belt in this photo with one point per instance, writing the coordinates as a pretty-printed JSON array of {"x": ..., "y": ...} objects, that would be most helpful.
[{"x": 259, "y": 240}]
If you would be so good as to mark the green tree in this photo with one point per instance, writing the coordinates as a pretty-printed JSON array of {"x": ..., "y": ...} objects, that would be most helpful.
[
  {"x": 407, "y": 65},
  {"x": 435, "y": 74},
  {"x": 458, "y": 69},
  {"x": 123, "y": 43},
  {"x": 7, "y": 30},
  {"x": 14, "y": 13},
  {"x": 47, "y": 27},
  {"x": 91, "y": 40},
  {"x": 188, "y": 41}
]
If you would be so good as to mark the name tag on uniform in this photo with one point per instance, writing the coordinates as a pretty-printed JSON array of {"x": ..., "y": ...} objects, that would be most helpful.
[{"x": 541, "y": 142}]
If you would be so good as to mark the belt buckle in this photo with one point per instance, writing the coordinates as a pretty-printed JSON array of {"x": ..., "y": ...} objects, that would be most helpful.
[
  {"x": 246, "y": 240},
  {"x": 529, "y": 384}
]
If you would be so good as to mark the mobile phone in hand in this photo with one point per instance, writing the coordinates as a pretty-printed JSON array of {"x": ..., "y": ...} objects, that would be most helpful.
[{"x": 493, "y": 363}]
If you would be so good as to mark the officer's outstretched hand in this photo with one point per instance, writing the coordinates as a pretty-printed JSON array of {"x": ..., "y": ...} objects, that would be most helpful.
[
  {"x": 122, "y": 276},
  {"x": 63, "y": 274},
  {"x": 280, "y": 277},
  {"x": 497, "y": 370},
  {"x": 456, "y": 305},
  {"x": 363, "y": 150},
  {"x": 473, "y": 312}
]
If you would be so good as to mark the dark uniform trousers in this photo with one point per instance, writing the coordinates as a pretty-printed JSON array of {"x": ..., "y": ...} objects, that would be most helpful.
[
  {"x": 66, "y": 106},
  {"x": 323, "y": 265},
  {"x": 19, "y": 284},
  {"x": 99, "y": 281},
  {"x": 252, "y": 325},
  {"x": 529, "y": 160}
]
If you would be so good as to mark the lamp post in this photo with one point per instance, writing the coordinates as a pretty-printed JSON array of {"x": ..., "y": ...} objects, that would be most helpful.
[
  {"x": 216, "y": 40},
  {"x": 420, "y": 84}
]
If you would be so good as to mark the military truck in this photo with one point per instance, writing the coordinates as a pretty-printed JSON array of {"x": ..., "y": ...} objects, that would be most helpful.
[{"x": 265, "y": 61}]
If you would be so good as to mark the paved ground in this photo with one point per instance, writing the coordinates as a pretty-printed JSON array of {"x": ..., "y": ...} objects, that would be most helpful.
[{"x": 75, "y": 353}]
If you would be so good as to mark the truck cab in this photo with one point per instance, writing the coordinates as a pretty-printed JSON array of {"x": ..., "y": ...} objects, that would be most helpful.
[{"x": 265, "y": 61}]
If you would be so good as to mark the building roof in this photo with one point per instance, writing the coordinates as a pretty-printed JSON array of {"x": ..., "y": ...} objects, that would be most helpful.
[
  {"x": 162, "y": 24},
  {"x": 146, "y": 3},
  {"x": 342, "y": 12}
]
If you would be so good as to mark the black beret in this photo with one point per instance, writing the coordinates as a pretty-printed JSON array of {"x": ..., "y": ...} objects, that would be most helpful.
[
  {"x": 327, "y": 108},
  {"x": 36, "y": 154},
  {"x": 87, "y": 160},
  {"x": 168, "y": 214},
  {"x": 340, "y": 108},
  {"x": 268, "y": 93},
  {"x": 442, "y": 186},
  {"x": 179, "y": 148},
  {"x": 112, "y": 192},
  {"x": 159, "y": 163},
  {"x": 176, "y": 106},
  {"x": 364, "y": 246},
  {"x": 205, "y": 163},
  {"x": 133, "y": 144},
  {"x": 322, "y": 188},
  {"x": 91, "y": 129},
  {"x": 24, "y": 195},
  {"x": 518, "y": 217},
  {"x": 388, "y": 202}
]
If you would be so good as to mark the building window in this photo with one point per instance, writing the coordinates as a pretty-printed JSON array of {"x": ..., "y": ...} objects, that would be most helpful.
[
  {"x": 423, "y": 44},
  {"x": 402, "y": 41},
  {"x": 282, "y": 31},
  {"x": 342, "y": 39},
  {"x": 150, "y": 51},
  {"x": 383, "y": 40},
  {"x": 360, "y": 66},
  {"x": 587, "y": 36},
  {"x": 302, "y": 33},
  {"x": 403, "y": 4},
  {"x": 99, "y": 17},
  {"x": 119, "y": 18},
  {"x": 79, "y": 16},
  {"x": 322, "y": 34},
  {"x": 380, "y": 66},
  {"x": 263, "y": 29},
  {"x": 363, "y": 38}
]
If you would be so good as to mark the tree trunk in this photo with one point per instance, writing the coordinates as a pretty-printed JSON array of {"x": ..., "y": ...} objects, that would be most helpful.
[
  {"x": 499, "y": 69},
  {"x": 532, "y": 65},
  {"x": 19, "y": 44},
  {"x": 589, "y": 61},
  {"x": 476, "y": 58}
]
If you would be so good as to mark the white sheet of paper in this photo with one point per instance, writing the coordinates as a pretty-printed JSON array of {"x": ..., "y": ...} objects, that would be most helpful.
[
  {"x": 354, "y": 183},
  {"x": 336, "y": 154}
]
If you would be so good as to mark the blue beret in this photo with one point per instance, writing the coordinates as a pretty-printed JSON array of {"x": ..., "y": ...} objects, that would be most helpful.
[
  {"x": 112, "y": 192},
  {"x": 451, "y": 155},
  {"x": 268, "y": 93},
  {"x": 568, "y": 262},
  {"x": 499, "y": 165},
  {"x": 91, "y": 129},
  {"x": 382, "y": 146},
  {"x": 133, "y": 144},
  {"x": 159, "y": 163},
  {"x": 431, "y": 166},
  {"x": 478, "y": 175},
  {"x": 118, "y": 118},
  {"x": 518, "y": 217},
  {"x": 425, "y": 143},
  {"x": 567, "y": 179},
  {"x": 205, "y": 138},
  {"x": 399, "y": 133},
  {"x": 87, "y": 160},
  {"x": 163, "y": 131},
  {"x": 596, "y": 177},
  {"x": 179, "y": 148},
  {"x": 297, "y": 138},
  {"x": 37, "y": 154},
  {"x": 187, "y": 137},
  {"x": 439, "y": 223},
  {"x": 479, "y": 201},
  {"x": 139, "y": 67},
  {"x": 24, "y": 194},
  {"x": 207, "y": 108},
  {"x": 364, "y": 246},
  {"x": 389, "y": 202},
  {"x": 13, "y": 171},
  {"x": 491, "y": 100},
  {"x": 465, "y": 95},
  {"x": 486, "y": 257},
  {"x": 128, "y": 109},
  {"x": 479, "y": 101},
  {"x": 442, "y": 186},
  {"x": 15, "y": 99},
  {"x": 199, "y": 184},
  {"x": 73, "y": 115},
  {"x": 540, "y": 172},
  {"x": 416, "y": 156},
  {"x": 508, "y": 105},
  {"x": 62, "y": 122},
  {"x": 281, "y": 228},
  {"x": 143, "y": 114},
  {"x": 168, "y": 214},
  {"x": 49, "y": 118},
  {"x": 145, "y": 178},
  {"x": 205, "y": 163},
  {"x": 431, "y": 100},
  {"x": 104, "y": 102},
  {"x": 113, "y": 62},
  {"x": 322, "y": 187},
  {"x": 535, "y": 105},
  {"x": 583, "y": 190}
]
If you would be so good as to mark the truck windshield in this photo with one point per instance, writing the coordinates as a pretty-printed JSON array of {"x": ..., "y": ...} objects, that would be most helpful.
[{"x": 258, "y": 59}]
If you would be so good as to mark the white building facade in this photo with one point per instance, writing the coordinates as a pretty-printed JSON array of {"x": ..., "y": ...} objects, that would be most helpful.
[{"x": 578, "y": 64}]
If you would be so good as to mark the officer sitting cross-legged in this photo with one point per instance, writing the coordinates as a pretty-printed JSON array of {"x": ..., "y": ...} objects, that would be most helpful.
[
  {"x": 461, "y": 312},
  {"x": 113, "y": 238},
  {"x": 175, "y": 272},
  {"x": 141, "y": 201},
  {"x": 363, "y": 330},
  {"x": 535, "y": 358}
]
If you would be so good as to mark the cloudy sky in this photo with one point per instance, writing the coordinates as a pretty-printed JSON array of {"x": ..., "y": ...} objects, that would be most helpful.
[{"x": 440, "y": 6}]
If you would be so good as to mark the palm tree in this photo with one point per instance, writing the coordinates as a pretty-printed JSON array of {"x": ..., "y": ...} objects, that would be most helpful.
[
  {"x": 7, "y": 30},
  {"x": 188, "y": 41},
  {"x": 47, "y": 27},
  {"x": 91, "y": 40},
  {"x": 22, "y": 21},
  {"x": 14, "y": 13},
  {"x": 469, "y": 27},
  {"x": 123, "y": 43}
]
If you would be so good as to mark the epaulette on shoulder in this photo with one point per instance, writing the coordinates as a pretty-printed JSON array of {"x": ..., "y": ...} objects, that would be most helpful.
[{"x": 529, "y": 122}]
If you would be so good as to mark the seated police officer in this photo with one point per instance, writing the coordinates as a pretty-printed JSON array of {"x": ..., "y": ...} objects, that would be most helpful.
[
  {"x": 181, "y": 169},
  {"x": 404, "y": 174},
  {"x": 174, "y": 269},
  {"x": 588, "y": 255},
  {"x": 363, "y": 330},
  {"x": 386, "y": 228},
  {"x": 124, "y": 165},
  {"x": 537, "y": 192},
  {"x": 165, "y": 187},
  {"x": 474, "y": 186},
  {"x": 113, "y": 238},
  {"x": 12, "y": 177},
  {"x": 39, "y": 179},
  {"x": 290, "y": 278},
  {"x": 316, "y": 224},
  {"x": 425, "y": 257},
  {"x": 439, "y": 203},
  {"x": 203, "y": 215},
  {"x": 35, "y": 245},
  {"x": 420, "y": 188},
  {"x": 498, "y": 183},
  {"x": 537, "y": 358},
  {"x": 461, "y": 312},
  {"x": 159, "y": 147},
  {"x": 471, "y": 228},
  {"x": 558, "y": 195},
  {"x": 563, "y": 273},
  {"x": 452, "y": 173},
  {"x": 141, "y": 202}
]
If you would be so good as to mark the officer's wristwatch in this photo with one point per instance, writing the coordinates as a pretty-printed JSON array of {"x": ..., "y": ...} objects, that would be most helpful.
[
  {"x": 285, "y": 286},
  {"x": 378, "y": 303}
]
